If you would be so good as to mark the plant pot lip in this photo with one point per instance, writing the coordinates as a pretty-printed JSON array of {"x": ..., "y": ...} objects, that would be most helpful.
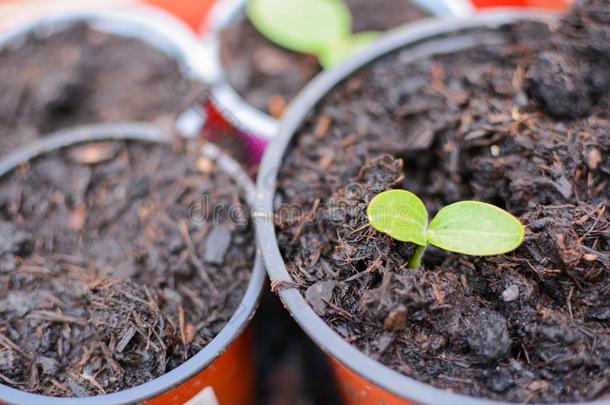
[
  {"x": 426, "y": 34},
  {"x": 233, "y": 329},
  {"x": 152, "y": 26},
  {"x": 245, "y": 116}
]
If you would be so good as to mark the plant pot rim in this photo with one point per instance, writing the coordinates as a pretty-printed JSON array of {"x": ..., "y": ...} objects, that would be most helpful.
[
  {"x": 245, "y": 116},
  {"x": 421, "y": 39},
  {"x": 220, "y": 343},
  {"x": 150, "y": 25}
]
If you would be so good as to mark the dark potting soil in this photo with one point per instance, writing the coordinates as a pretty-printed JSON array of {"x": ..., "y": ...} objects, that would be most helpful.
[
  {"x": 78, "y": 75},
  {"x": 269, "y": 77},
  {"x": 109, "y": 275},
  {"x": 525, "y": 126}
]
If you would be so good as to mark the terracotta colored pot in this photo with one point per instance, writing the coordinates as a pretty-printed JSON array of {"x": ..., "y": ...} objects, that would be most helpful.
[
  {"x": 362, "y": 380},
  {"x": 223, "y": 370},
  {"x": 557, "y": 5},
  {"x": 192, "y": 12},
  {"x": 253, "y": 127}
]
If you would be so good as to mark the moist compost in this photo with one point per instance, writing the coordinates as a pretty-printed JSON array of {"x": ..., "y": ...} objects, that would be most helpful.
[
  {"x": 269, "y": 77},
  {"x": 525, "y": 126},
  {"x": 118, "y": 262},
  {"x": 76, "y": 75}
]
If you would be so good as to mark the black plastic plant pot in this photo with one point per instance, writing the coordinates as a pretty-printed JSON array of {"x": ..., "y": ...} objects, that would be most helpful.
[
  {"x": 223, "y": 371},
  {"x": 150, "y": 26},
  {"x": 361, "y": 379}
]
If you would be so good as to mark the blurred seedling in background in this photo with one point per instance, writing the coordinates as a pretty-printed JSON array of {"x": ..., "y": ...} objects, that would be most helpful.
[
  {"x": 318, "y": 27},
  {"x": 467, "y": 227}
]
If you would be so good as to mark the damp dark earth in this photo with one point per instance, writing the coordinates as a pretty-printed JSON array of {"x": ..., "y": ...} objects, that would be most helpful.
[
  {"x": 77, "y": 75},
  {"x": 524, "y": 126},
  {"x": 107, "y": 280},
  {"x": 269, "y": 77}
]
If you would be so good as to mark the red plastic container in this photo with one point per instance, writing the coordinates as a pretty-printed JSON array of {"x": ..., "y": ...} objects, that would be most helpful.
[
  {"x": 557, "y": 5},
  {"x": 192, "y": 12}
]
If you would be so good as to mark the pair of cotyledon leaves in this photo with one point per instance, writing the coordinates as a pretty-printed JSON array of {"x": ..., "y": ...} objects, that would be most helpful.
[
  {"x": 467, "y": 227},
  {"x": 319, "y": 27}
]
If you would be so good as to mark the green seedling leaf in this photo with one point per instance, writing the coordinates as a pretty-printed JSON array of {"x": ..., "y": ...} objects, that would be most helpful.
[
  {"x": 306, "y": 26},
  {"x": 340, "y": 50},
  {"x": 475, "y": 228},
  {"x": 400, "y": 214}
]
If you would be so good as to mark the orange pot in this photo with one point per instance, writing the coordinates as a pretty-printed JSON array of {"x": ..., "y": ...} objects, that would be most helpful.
[
  {"x": 230, "y": 378},
  {"x": 192, "y": 12},
  {"x": 355, "y": 390},
  {"x": 223, "y": 371},
  {"x": 557, "y": 5}
]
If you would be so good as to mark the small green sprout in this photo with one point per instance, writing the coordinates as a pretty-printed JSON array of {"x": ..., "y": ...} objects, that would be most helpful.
[
  {"x": 467, "y": 227},
  {"x": 318, "y": 27}
]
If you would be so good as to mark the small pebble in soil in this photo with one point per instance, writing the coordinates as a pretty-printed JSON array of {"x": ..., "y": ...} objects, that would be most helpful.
[{"x": 511, "y": 293}]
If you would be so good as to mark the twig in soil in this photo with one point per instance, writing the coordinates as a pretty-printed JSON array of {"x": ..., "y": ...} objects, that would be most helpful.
[
  {"x": 526, "y": 354},
  {"x": 140, "y": 300},
  {"x": 192, "y": 295},
  {"x": 8, "y": 380},
  {"x": 281, "y": 285},
  {"x": 602, "y": 210},
  {"x": 9, "y": 344},
  {"x": 339, "y": 310},
  {"x": 569, "y": 301},
  {"x": 114, "y": 366},
  {"x": 201, "y": 270},
  {"x": 88, "y": 351},
  {"x": 124, "y": 341},
  {"x": 181, "y": 325},
  {"x": 307, "y": 218},
  {"x": 595, "y": 255},
  {"x": 353, "y": 338},
  {"x": 55, "y": 317},
  {"x": 35, "y": 270},
  {"x": 93, "y": 382}
]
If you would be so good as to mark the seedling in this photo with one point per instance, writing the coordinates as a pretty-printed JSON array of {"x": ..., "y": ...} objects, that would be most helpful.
[
  {"x": 318, "y": 27},
  {"x": 468, "y": 227}
]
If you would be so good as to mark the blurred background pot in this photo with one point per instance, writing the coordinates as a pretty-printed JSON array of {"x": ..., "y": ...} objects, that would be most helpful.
[
  {"x": 223, "y": 370},
  {"x": 192, "y": 12},
  {"x": 150, "y": 26},
  {"x": 228, "y": 109},
  {"x": 361, "y": 379}
]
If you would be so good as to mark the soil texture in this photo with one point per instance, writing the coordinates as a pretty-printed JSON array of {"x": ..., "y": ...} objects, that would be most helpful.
[
  {"x": 51, "y": 80},
  {"x": 118, "y": 262}
]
